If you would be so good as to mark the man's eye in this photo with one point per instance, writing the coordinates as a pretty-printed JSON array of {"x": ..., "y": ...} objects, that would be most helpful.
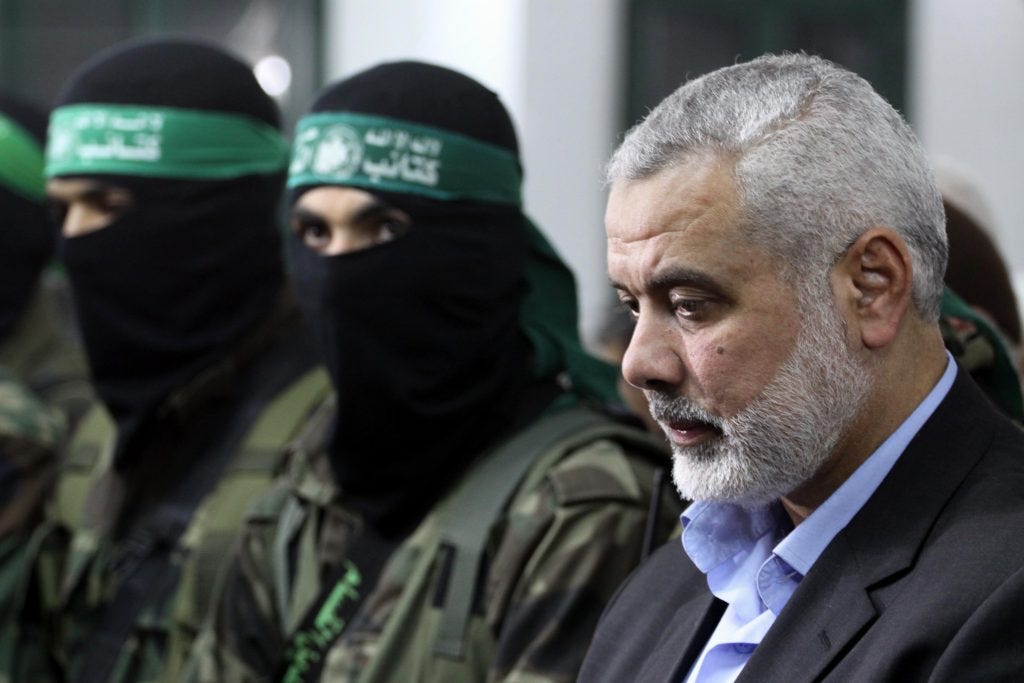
[
  {"x": 312, "y": 233},
  {"x": 629, "y": 305},
  {"x": 112, "y": 203},
  {"x": 691, "y": 309},
  {"x": 391, "y": 228}
]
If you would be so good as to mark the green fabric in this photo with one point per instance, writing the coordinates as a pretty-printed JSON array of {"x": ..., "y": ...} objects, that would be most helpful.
[
  {"x": 548, "y": 317},
  {"x": 999, "y": 378},
  {"x": 21, "y": 161},
  {"x": 379, "y": 153},
  {"x": 162, "y": 142},
  {"x": 355, "y": 149}
]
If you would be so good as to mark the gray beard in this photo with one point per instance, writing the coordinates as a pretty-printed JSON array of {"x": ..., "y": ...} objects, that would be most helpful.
[{"x": 782, "y": 438}]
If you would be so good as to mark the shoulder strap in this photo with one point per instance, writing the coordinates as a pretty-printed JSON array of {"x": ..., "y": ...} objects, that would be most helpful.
[
  {"x": 249, "y": 472},
  {"x": 200, "y": 516},
  {"x": 91, "y": 447},
  {"x": 334, "y": 608},
  {"x": 282, "y": 420},
  {"x": 145, "y": 577},
  {"x": 486, "y": 491}
]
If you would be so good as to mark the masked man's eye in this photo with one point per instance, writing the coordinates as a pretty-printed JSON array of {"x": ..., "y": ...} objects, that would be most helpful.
[
  {"x": 391, "y": 227},
  {"x": 83, "y": 206},
  {"x": 314, "y": 233},
  {"x": 332, "y": 221}
]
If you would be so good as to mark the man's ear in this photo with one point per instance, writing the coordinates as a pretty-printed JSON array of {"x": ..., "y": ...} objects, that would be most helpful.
[{"x": 874, "y": 279}]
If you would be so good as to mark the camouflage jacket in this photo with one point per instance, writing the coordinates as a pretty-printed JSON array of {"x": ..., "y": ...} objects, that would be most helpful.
[
  {"x": 94, "y": 545},
  {"x": 30, "y": 435},
  {"x": 42, "y": 352},
  {"x": 553, "y": 555},
  {"x": 980, "y": 349}
]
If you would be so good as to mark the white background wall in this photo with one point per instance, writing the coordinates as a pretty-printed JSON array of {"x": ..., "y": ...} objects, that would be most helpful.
[
  {"x": 967, "y": 103},
  {"x": 557, "y": 66}
]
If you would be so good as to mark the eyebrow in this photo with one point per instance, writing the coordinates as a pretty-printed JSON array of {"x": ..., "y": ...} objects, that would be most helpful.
[
  {"x": 307, "y": 215},
  {"x": 371, "y": 209},
  {"x": 90, "y": 192},
  {"x": 679, "y": 276}
]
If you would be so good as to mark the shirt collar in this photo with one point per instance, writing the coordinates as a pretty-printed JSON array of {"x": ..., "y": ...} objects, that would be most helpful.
[
  {"x": 807, "y": 541},
  {"x": 714, "y": 532}
]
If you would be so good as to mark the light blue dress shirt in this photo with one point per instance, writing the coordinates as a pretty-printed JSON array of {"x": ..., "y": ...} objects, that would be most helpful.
[{"x": 754, "y": 558}]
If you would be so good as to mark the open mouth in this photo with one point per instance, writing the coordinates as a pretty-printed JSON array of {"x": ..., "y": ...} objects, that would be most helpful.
[
  {"x": 683, "y": 421},
  {"x": 687, "y": 432}
]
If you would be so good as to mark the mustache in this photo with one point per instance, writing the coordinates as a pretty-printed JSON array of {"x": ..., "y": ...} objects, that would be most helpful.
[{"x": 666, "y": 408}]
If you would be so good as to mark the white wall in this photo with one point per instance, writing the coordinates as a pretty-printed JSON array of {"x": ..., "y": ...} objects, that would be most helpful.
[
  {"x": 553, "y": 62},
  {"x": 481, "y": 39},
  {"x": 556, "y": 65},
  {"x": 967, "y": 102}
]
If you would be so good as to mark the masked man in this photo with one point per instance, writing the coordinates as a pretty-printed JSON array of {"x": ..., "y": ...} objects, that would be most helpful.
[
  {"x": 166, "y": 161},
  {"x": 469, "y": 509}
]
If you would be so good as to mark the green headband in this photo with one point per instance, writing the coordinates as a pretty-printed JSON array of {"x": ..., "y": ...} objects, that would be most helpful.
[
  {"x": 21, "y": 161},
  {"x": 390, "y": 155},
  {"x": 161, "y": 142}
]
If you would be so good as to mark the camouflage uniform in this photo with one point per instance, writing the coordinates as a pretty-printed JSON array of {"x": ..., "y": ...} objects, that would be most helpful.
[
  {"x": 553, "y": 556},
  {"x": 981, "y": 350},
  {"x": 81, "y": 570},
  {"x": 30, "y": 435},
  {"x": 42, "y": 352}
]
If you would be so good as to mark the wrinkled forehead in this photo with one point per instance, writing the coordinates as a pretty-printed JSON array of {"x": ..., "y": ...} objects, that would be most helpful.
[
  {"x": 694, "y": 194},
  {"x": 683, "y": 219}
]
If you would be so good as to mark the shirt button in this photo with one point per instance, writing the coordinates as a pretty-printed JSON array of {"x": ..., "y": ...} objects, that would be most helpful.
[{"x": 744, "y": 648}]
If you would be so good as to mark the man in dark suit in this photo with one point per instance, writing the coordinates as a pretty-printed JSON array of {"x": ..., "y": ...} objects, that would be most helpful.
[{"x": 775, "y": 228}]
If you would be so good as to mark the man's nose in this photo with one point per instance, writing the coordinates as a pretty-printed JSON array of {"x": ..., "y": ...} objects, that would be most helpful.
[
  {"x": 348, "y": 239},
  {"x": 652, "y": 359},
  {"x": 81, "y": 219}
]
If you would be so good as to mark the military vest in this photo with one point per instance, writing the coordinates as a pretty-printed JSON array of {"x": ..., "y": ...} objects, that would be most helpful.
[
  {"x": 579, "y": 453},
  {"x": 66, "y": 547}
]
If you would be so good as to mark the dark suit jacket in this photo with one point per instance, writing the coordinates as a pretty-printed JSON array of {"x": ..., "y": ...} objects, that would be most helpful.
[{"x": 926, "y": 582}]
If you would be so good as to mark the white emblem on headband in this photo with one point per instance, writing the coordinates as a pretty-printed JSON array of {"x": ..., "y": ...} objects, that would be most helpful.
[{"x": 338, "y": 153}]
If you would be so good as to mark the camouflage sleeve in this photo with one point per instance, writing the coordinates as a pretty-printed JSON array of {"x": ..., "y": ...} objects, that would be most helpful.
[
  {"x": 567, "y": 547},
  {"x": 45, "y": 353},
  {"x": 30, "y": 434},
  {"x": 978, "y": 346},
  {"x": 240, "y": 641}
]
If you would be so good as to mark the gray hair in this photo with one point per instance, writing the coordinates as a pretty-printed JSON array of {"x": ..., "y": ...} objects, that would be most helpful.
[{"x": 819, "y": 158}]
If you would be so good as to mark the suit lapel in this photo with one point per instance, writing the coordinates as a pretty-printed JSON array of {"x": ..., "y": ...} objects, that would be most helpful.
[
  {"x": 683, "y": 639},
  {"x": 828, "y": 611},
  {"x": 834, "y": 604}
]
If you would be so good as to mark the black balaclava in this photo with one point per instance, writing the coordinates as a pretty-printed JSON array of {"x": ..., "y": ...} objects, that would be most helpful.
[
  {"x": 27, "y": 237},
  {"x": 421, "y": 335},
  {"x": 193, "y": 265}
]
